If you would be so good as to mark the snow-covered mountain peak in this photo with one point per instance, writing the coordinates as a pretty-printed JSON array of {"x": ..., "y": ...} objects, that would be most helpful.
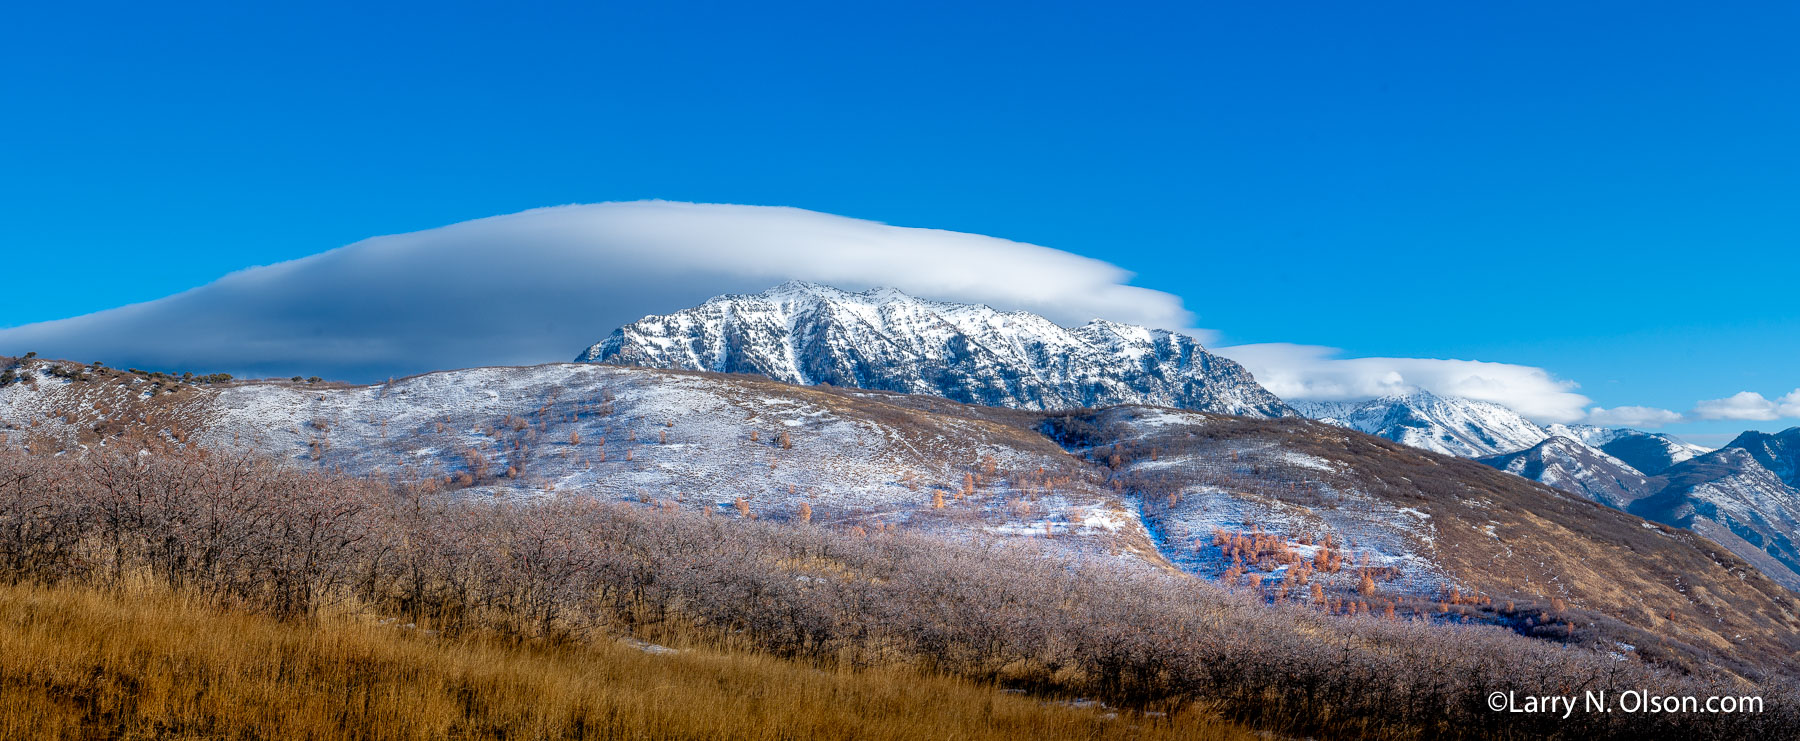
[
  {"x": 807, "y": 333},
  {"x": 1421, "y": 396},
  {"x": 1649, "y": 452},
  {"x": 1116, "y": 331},
  {"x": 1444, "y": 424},
  {"x": 1476, "y": 429},
  {"x": 1778, "y": 452}
]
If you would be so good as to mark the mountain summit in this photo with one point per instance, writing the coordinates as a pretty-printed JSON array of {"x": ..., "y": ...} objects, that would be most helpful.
[
  {"x": 1441, "y": 424},
  {"x": 805, "y": 333},
  {"x": 1650, "y": 453}
]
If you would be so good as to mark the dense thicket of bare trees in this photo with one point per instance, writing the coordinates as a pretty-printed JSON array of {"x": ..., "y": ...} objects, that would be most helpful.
[{"x": 247, "y": 531}]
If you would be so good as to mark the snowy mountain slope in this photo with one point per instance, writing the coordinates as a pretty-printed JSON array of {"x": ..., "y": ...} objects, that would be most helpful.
[
  {"x": 1245, "y": 480},
  {"x": 1779, "y": 452},
  {"x": 697, "y": 440},
  {"x": 1730, "y": 495},
  {"x": 1476, "y": 429},
  {"x": 1575, "y": 467},
  {"x": 804, "y": 333},
  {"x": 1732, "y": 491},
  {"x": 55, "y": 404},
  {"x": 1441, "y": 424},
  {"x": 1744, "y": 495},
  {"x": 1649, "y": 452},
  {"x": 1407, "y": 518}
]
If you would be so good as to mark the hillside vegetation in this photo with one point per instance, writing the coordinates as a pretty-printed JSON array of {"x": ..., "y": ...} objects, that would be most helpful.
[
  {"x": 1292, "y": 510},
  {"x": 143, "y": 662},
  {"x": 509, "y": 601}
]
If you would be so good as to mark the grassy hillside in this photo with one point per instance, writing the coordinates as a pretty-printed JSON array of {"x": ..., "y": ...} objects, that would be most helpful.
[{"x": 80, "y": 663}]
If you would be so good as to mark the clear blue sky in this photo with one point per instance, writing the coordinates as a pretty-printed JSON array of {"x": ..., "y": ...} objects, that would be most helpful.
[{"x": 1607, "y": 190}]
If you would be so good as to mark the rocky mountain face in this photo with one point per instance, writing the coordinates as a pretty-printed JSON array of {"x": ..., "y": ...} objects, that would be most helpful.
[
  {"x": 1779, "y": 453},
  {"x": 809, "y": 334},
  {"x": 1441, "y": 424}
]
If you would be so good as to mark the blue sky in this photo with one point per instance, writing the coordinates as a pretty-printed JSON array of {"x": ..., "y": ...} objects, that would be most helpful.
[{"x": 1605, "y": 191}]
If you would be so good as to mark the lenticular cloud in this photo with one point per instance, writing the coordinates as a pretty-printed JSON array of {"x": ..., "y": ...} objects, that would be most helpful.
[
  {"x": 1310, "y": 372},
  {"x": 540, "y": 285}
]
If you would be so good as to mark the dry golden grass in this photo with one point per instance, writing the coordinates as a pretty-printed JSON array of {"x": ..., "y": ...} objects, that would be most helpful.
[{"x": 82, "y": 663}]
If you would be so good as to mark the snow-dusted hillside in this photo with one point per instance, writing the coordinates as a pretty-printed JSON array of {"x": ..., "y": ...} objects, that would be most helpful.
[
  {"x": 804, "y": 333},
  {"x": 1189, "y": 490},
  {"x": 1733, "y": 496},
  {"x": 1649, "y": 452},
  {"x": 1576, "y": 467},
  {"x": 1441, "y": 424},
  {"x": 693, "y": 440},
  {"x": 1253, "y": 501}
]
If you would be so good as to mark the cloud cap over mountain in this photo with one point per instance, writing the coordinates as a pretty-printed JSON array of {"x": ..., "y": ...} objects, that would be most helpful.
[
  {"x": 538, "y": 285},
  {"x": 1314, "y": 373}
]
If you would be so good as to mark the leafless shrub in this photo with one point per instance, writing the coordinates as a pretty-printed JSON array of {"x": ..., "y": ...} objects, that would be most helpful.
[{"x": 286, "y": 540}]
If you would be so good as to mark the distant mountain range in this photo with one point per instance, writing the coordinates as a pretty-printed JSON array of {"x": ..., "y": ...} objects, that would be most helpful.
[
  {"x": 1575, "y": 467},
  {"x": 1745, "y": 496},
  {"x": 1474, "y": 429},
  {"x": 810, "y": 334},
  {"x": 1649, "y": 452}
]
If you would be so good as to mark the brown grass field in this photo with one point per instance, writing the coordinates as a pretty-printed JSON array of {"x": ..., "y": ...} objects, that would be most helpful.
[{"x": 143, "y": 662}]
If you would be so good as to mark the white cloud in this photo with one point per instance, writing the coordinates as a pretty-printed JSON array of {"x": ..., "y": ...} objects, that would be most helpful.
[
  {"x": 1789, "y": 406},
  {"x": 1749, "y": 405},
  {"x": 1641, "y": 417},
  {"x": 1311, "y": 372},
  {"x": 541, "y": 285},
  {"x": 1745, "y": 405}
]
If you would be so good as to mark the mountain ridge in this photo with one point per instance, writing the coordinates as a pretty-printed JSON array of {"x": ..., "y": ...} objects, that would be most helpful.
[
  {"x": 1743, "y": 496},
  {"x": 883, "y": 339},
  {"x": 1442, "y": 424},
  {"x": 1650, "y": 453},
  {"x": 1736, "y": 495},
  {"x": 1576, "y": 467}
]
